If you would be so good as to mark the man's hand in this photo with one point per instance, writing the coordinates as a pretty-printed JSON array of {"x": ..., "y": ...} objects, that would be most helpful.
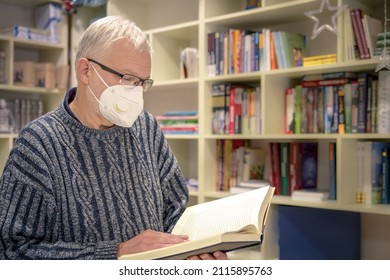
[
  {"x": 149, "y": 240},
  {"x": 215, "y": 256}
]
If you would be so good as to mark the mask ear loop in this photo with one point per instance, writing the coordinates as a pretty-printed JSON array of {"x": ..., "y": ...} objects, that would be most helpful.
[{"x": 100, "y": 77}]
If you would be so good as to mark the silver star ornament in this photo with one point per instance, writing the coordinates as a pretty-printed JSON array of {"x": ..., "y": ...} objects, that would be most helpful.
[
  {"x": 314, "y": 15},
  {"x": 384, "y": 61}
]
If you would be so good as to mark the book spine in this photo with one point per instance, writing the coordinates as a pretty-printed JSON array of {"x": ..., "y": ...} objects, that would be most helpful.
[
  {"x": 374, "y": 106},
  {"x": 309, "y": 165},
  {"x": 369, "y": 105},
  {"x": 274, "y": 61},
  {"x": 275, "y": 165},
  {"x": 385, "y": 176},
  {"x": 335, "y": 118},
  {"x": 360, "y": 166},
  {"x": 332, "y": 171},
  {"x": 354, "y": 106},
  {"x": 284, "y": 170},
  {"x": 289, "y": 111},
  {"x": 358, "y": 38},
  {"x": 297, "y": 109},
  {"x": 359, "y": 21},
  {"x": 348, "y": 107},
  {"x": 341, "y": 110},
  {"x": 303, "y": 110},
  {"x": 328, "y": 113},
  {"x": 383, "y": 114},
  {"x": 320, "y": 110},
  {"x": 295, "y": 166},
  {"x": 362, "y": 99},
  {"x": 227, "y": 157},
  {"x": 219, "y": 169},
  {"x": 232, "y": 110}
]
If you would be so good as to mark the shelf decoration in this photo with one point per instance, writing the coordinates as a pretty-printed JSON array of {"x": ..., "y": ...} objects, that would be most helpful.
[
  {"x": 320, "y": 14},
  {"x": 69, "y": 7},
  {"x": 384, "y": 59}
]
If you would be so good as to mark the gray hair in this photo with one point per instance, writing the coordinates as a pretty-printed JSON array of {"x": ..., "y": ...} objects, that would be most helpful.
[{"x": 98, "y": 37}]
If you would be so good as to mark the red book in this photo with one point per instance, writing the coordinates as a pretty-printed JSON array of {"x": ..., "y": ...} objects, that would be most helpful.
[
  {"x": 232, "y": 109},
  {"x": 330, "y": 82},
  {"x": 275, "y": 167},
  {"x": 356, "y": 17},
  {"x": 274, "y": 61},
  {"x": 295, "y": 166}
]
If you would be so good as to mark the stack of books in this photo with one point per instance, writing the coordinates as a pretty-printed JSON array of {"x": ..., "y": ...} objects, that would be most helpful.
[
  {"x": 310, "y": 195},
  {"x": 178, "y": 122},
  {"x": 360, "y": 34},
  {"x": 319, "y": 60}
]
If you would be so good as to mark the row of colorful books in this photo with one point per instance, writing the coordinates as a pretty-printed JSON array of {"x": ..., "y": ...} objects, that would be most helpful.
[
  {"x": 237, "y": 163},
  {"x": 236, "y": 109},
  {"x": 294, "y": 166},
  {"x": 178, "y": 122},
  {"x": 235, "y": 51},
  {"x": 288, "y": 167},
  {"x": 341, "y": 102}
]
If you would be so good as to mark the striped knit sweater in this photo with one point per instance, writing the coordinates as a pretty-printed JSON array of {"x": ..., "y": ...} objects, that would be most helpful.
[{"x": 71, "y": 192}]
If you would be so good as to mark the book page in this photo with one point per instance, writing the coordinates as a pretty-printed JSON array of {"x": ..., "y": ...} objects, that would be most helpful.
[{"x": 223, "y": 215}]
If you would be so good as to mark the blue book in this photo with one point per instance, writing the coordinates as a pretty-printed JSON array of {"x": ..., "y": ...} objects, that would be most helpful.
[
  {"x": 181, "y": 113},
  {"x": 362, "y": 102},
  {"x": 376, "y": 170},
  {"x": 309, "y": 165},
  {"x": 335, "y": 118},
  {"x": 385, "y": 175}
]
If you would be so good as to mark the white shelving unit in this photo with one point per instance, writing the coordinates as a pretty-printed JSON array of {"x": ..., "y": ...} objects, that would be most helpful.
[
  {"x": 172, "y": 25},
  {"x": 19, "y": 12}
]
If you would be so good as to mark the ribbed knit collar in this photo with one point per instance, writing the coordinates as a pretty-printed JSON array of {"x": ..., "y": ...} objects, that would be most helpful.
[{"x": 69, "y": 120}]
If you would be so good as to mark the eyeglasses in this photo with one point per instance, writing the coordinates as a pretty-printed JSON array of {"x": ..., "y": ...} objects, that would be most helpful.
[{"x": 128, "y": 80}]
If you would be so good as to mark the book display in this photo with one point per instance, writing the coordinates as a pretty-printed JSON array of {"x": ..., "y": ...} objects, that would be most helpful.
[
  {"x": 259, "y": 115},
  {"x": 245, "y": 89}
]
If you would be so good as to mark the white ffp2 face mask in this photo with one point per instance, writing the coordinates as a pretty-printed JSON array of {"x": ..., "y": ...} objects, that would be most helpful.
[{"x": 119, "y": 104}]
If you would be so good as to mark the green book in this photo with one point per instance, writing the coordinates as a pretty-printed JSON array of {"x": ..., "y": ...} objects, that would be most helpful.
[{"x": 284, "y": 168}]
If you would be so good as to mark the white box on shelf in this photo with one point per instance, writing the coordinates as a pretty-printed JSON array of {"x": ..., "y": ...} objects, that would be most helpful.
[{"x": 47, "y": 17}]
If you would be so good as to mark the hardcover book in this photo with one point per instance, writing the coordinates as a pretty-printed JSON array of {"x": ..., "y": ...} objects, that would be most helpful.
[
  {"x": 309, "y": 165},
  {"x": 226, "y": 224}
]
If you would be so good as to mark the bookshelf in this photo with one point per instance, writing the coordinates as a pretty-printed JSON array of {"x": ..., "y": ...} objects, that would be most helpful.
[
  {"x": 21, "y": 13},
  {"x": 172, "y": 25}
]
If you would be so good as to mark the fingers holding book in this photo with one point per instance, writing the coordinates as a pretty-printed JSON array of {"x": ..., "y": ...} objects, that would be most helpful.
[{"x": 149, "y": 240}]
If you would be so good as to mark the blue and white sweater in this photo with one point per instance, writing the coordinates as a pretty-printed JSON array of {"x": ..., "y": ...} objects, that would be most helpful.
[{"x": 72, "y": 192}]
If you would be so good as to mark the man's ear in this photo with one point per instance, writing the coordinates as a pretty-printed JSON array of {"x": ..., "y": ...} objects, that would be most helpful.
[{"x": 83, "y": 70}]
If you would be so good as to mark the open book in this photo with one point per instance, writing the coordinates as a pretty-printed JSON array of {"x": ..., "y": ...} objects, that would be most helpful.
[{"x": 225, "y": 224}]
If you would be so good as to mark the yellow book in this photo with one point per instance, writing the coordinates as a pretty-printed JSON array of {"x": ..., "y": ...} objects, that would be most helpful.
[{"x": 225, "y": 224}]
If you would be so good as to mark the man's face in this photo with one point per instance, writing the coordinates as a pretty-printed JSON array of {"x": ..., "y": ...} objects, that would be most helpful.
[{"x": 121, "y": 58}]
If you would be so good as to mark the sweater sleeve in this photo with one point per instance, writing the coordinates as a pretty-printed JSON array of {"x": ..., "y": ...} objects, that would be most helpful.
[
  {"x": 28, "y": 219},
  {"x": 176, "y": 198},
  {"x": 172, "y": 180}
]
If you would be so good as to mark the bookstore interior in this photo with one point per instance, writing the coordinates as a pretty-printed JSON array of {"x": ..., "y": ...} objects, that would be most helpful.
[{"x": 293, "y": 94}]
